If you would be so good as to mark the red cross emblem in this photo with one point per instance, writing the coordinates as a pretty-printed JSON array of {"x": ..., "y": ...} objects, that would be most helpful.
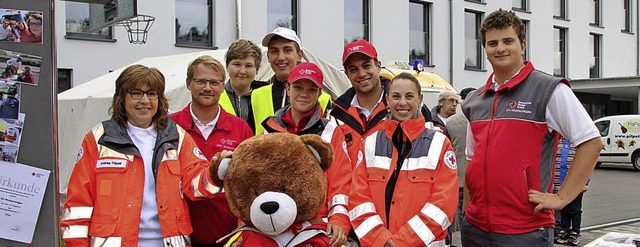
[
  {"x": 33, "y": 174},
  {"x": 452, "y": 159},
  {"x": 513, "y": 104}
]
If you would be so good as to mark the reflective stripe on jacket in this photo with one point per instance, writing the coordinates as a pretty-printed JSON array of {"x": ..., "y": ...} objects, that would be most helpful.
[
  {"x": 104, "y": 199},
  {"x": 339, "y": 174},
  {"x": 425, "y": 197}
]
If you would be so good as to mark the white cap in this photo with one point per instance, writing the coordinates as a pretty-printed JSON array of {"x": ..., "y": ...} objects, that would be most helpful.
[{"x": 282, "y": 32}]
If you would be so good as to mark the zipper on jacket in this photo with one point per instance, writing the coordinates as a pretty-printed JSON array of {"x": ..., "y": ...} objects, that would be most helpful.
[{"x": 490, "y": 134}]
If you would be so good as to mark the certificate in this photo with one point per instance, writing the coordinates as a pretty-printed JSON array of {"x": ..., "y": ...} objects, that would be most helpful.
[{"x": 22, "y": 189}]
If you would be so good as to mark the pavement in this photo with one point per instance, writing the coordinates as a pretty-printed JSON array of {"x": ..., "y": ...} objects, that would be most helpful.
[{"x": 591, "y": 233}]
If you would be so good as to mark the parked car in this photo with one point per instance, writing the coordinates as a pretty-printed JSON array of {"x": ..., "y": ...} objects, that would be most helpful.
[{"x": 621, "y": 137}]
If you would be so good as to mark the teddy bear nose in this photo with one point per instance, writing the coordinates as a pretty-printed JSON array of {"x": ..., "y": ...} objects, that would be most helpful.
[{"x": 269, "y": 207}]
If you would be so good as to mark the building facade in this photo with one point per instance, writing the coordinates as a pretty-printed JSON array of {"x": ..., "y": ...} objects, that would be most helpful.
[{"x": 593, "y": 43}]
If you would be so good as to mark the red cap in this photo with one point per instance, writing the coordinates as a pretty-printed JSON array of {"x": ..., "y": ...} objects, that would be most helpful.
[
  {"x": 306, "y": 70},
  {"x": 361, "y": 46}
]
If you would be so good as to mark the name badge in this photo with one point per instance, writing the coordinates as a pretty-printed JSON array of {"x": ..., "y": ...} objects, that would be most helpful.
[{"x": 111, "y": 164}]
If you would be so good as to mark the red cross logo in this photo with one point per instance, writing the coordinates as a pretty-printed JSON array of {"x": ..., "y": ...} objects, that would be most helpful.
[
  {"x": 513, "y": 104},
  {"x": 33, "y": 174},
  {"x": 452, "y": 159}
]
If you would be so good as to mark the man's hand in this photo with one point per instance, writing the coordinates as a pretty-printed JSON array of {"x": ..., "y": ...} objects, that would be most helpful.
[
  {"x": 339, "y": 237},
  {"x": 546, "y": 201},
  {"x": 389, "y": 243}
]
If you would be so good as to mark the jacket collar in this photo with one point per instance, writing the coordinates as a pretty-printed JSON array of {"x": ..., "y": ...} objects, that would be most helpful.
[
  {"x": 276, "y": 123},
  {"x": 513, "y": 82},
  {"x": 116, "y": 137},
  {"x": 412, "y": 128}
]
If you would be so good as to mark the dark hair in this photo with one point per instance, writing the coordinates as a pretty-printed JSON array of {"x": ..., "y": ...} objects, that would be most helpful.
[
  {"x": 501, "y": 19},
  {"x": 464, "y": 92},
  {"x": 241, "y": 49},
  {"x": 407, "y": 76},
  {"x": 135, "y": 76}
]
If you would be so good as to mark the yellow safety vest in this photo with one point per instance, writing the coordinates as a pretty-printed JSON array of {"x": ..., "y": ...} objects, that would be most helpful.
[
  {"x": 225, "y": 103},
  {"x": 262, "y": 105}
]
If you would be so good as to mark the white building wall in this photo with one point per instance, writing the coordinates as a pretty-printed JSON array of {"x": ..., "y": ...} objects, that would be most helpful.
[{"x": 321, "y": 29}]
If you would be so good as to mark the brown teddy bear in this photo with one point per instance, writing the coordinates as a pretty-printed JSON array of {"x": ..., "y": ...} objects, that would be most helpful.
[{"x": 275, "y": 184}]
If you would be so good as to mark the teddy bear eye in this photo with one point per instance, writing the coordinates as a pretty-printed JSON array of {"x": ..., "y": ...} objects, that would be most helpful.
[
  {"x": 282, "y": 189},
  {"x": 255, "y": 192}
]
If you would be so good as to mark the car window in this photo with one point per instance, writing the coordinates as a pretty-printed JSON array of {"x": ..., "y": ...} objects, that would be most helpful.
[{"x": 603, "y": 127}]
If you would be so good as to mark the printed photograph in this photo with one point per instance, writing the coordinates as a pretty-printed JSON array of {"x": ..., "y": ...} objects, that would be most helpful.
[
  {"x": 18, "y": 67},
  {"x": 22, "y": 26}
]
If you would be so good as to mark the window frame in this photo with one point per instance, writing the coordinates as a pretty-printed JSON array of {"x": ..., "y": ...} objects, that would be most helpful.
[
  {"x": 88, "y": 36},
  {"x": 628, "y": 16},
  {"x": 597, "y": 54},
  {"x": 527, "y": 29},
  {"x": 365, "y": 20},
  {"x": 426, "y": 7},
  {"x": 597, "y": 13},
  {"x": 66, "y": 80},
  {"x": 211, "y": 30},
  {"x": 294, "y": 16},
  {"x": 479, "y": 47},
  {"x": 563, "y": 51},
  {"x": 525, "y": 6},
  {"x": 563, "y": 10}
]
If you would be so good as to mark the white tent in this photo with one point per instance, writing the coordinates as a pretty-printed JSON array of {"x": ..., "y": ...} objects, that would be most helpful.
[{"x": 84, "y": 106}]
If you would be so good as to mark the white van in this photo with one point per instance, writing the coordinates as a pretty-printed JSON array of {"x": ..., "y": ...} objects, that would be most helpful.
[{"x": 621, "y": 138}]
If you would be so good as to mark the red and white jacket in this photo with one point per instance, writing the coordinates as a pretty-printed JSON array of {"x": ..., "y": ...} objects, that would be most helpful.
[
  {"x": 310, "y": 236},
  {"x": 104, "y": 198},
  {"x": 425, "y": 196}
]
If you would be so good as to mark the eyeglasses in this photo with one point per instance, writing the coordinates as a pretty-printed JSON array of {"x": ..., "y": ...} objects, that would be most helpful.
[
  {"x": 37, "y": 24},
  {"x": 137, "y": 94},
  {"x": 203, "y": 82}
]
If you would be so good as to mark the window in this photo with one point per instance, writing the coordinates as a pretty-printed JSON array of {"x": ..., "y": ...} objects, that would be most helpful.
[
  {"x": 64, "y": 80},
  {"x": 527, "y": 37},
  {"x": 282, "y": 13},
  {"x": 419, "y": 40},
  {"x": 560, "y": 9},
  {"x": 77, "y": 23},
  {"x": 603, "y": 127},
  {"x": 595, "y": 9},
  {"x": 519, "y": 5},
  {"x": 594, "y": 64},
  {"x": 194, "y": 23},
  {"x": 472, "y": 43},
  {"x": 356, "y": 20},
  {"x": 559, "y": 51},
  {"x": 627, "y": 16}
]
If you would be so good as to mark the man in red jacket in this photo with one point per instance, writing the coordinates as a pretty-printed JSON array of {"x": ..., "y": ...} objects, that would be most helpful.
[
  {"x": 213, "y": 130},
  {"x": 514, "y": 120}
]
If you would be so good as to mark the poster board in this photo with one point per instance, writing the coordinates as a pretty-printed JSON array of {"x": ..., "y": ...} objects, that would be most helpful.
[{"x": 38, "y": 145}]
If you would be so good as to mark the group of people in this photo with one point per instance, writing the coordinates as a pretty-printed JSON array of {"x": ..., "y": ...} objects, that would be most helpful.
[
  {"x": 29, "y": 31},
  {"x": 141, "y": 177}
]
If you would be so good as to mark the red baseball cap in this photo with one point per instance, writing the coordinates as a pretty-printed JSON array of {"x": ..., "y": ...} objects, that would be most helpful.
[
  {"x": 360, "y": 46},
  {"x": 306, "y": 70}
]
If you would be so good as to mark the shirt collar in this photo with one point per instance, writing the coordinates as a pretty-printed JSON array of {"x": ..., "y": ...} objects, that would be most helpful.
[
  {"x": 356, "y": 104},
  {"x": 137, "y": 131},
  {"x": 495, "y": 84},
  {"x": 198, "y": 122}
]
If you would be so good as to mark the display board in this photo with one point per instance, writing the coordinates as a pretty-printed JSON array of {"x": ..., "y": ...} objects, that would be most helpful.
[{"x": 27, "y": 86}]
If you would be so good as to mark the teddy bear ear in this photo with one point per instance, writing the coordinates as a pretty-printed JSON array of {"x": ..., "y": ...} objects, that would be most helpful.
[
  {"x": 321, "y": 150},
  {"x": 218, "y": 169}
]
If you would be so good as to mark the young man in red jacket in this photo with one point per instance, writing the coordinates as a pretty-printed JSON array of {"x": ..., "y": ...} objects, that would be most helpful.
[
  {"x": 514, "y": 120},
  {"x": 213, "y": 130}
]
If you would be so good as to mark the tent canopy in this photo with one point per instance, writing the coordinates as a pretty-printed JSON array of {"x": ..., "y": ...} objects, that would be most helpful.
[{"x": 82, "y": 107}]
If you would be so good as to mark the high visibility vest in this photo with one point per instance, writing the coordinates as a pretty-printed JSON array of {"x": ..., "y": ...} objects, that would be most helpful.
[
  {"x": 262, "y": 105},
  {"x": 225, "y": 103}
]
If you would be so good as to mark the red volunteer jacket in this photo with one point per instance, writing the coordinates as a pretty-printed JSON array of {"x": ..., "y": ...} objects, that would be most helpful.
[
  {"x": 311, "y": 236},
  {"x": 425, "y": 196},
  {"x": 212, "y": 219}
]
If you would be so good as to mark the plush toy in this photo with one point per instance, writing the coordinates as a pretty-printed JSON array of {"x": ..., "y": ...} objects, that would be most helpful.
[{"x": 275, "y": 184}]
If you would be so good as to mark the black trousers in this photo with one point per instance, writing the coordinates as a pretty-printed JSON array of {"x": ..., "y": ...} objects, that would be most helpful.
[{"x": 571, "y": 215}]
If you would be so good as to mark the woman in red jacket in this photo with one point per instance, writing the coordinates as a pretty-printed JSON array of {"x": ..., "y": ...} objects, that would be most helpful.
[{"x": 405, "y": 192}]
